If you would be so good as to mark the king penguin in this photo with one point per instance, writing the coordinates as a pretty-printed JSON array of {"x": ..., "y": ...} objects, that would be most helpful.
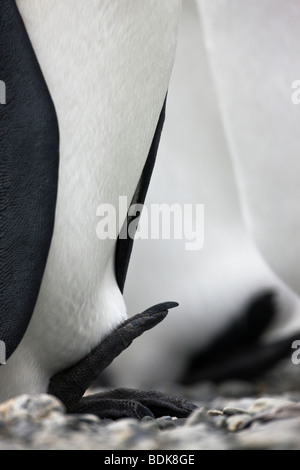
[{"x": 94, "y": 79}]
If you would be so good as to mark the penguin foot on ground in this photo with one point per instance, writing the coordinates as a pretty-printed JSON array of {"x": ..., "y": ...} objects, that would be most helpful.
[
  {"x": 128, "y": 403},
  {"x": 70, "y": 385},
  {"x": 237, "y": 352}
]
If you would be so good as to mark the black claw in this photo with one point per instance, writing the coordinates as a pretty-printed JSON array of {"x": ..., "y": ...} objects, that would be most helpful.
[
  {"x": 70, "y": 385},
  {"x": 140, "y": 411},
  {"x": 161, "y": 307}
]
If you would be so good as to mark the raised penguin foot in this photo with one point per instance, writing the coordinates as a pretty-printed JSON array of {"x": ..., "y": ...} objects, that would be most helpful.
[{"x": 70, "y": 385}]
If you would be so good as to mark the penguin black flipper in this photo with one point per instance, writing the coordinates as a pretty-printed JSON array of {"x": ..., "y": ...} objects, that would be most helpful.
[
  {"x": 29, "y": 154},
  {"x": 125, "y": 244},
  {"x": 69, "y": 386}
]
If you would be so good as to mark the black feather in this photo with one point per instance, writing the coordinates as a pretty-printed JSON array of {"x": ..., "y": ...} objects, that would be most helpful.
[{"x": 29, "y": 154}]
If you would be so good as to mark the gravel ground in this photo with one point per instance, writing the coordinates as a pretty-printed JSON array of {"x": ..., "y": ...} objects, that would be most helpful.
[{"x": 231, "y": 416}]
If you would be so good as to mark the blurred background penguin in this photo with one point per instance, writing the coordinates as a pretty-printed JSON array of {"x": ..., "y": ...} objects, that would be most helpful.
[{"x": 226, "y": 145}]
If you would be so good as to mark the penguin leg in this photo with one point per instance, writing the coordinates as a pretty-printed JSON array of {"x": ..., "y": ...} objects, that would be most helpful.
[{"x": 70, "y": 385}]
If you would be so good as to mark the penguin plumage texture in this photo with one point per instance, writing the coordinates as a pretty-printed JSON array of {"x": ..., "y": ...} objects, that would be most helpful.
[
  {"x": 107, "y": 65},
  {"x": 29, "y": 154},
  {"x": 86, "y": 85}
]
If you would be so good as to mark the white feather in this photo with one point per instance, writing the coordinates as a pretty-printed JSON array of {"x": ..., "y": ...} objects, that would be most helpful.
[{"x": 107, "y": 64}]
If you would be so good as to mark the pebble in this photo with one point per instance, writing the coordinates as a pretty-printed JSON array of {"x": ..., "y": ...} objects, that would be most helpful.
[
  {"x": 234, "y": 417},
  {"x": 166, "y": 423},
  {"x": 35, "y": 407},
  {"x": 236, "y": 423},
  {"x": 266, "y": 404},
  {"x": 220, "y": 422},
  {"x": 214, "y": 413},
  {"x": 231, "y": 411},
  {"x": 241, "y": 403},
  {"x": 277, "y": 435},
  {"x": 198, "y": 416},
  {"x": 150, "y": 423}
]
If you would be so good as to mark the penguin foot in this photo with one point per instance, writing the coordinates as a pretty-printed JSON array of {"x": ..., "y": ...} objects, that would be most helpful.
[
  {"x": 127, "y": 403},
  {"x": 237, "y": 352},
  {"x": 70, "y": 385}
]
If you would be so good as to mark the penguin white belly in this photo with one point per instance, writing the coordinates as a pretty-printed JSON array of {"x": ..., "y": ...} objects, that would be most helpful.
[
  {"x": 254, "y": 50},
  {"x": 212, "y": 285},
  {"x": 107, "y": 64}
]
